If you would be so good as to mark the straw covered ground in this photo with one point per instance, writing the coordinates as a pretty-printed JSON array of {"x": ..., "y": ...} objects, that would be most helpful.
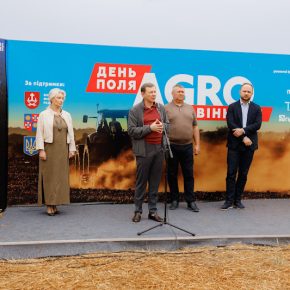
[{"x": 232, "y": 267}]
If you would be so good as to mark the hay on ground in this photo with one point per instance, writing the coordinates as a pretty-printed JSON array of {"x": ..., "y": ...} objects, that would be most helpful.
[{"x": 232, "y": 267}]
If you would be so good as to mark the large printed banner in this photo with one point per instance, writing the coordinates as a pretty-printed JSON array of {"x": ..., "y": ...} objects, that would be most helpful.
[{"x": 103, "y": 83}]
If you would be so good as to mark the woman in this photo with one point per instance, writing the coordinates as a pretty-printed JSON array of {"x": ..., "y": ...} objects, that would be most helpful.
[{"x": 55, "y": 144}]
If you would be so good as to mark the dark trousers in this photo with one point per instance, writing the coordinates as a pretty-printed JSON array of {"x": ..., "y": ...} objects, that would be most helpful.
[
  {"x": 149, "y": 170},
  {"x": 239, "y": 162},
  {"x": 183, "y": 155}
]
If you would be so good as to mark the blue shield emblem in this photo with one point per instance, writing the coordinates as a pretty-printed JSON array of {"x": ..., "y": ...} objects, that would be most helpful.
[{"x": 29, "y": 145}]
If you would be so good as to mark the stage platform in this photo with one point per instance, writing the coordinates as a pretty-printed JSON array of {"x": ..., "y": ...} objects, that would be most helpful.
[{"x": 27, "y": 232}]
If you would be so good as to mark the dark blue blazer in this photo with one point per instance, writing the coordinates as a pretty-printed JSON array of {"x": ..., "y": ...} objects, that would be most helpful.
[{"x": 234, "y": 120}]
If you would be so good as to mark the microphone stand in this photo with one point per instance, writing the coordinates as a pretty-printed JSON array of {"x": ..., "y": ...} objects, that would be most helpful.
[{"x": 164, "y": 222}]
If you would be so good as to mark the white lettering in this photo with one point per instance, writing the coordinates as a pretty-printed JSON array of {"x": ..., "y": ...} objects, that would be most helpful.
[
  {"x": 102, "y": 72},
  {"x": 224, "y": 113},
  {"x": 280, "y": 71},
  {"x": 121, "y": 85},
  {"x": 132, "y": 85},
  {"x": 100, "y": 84},
  {"x": 122, "y": 72},
  {"x": 111, "y": 84},
  {"x": 44, "y": 84},
  {"x": 200, "y": 113},
  {"x": 288, "y": 106},
  {"x": 283, "y": 118},
  {"x": 208, "y": 88},
  {"x": 211, "y": 113},
  {"x": 205, "y": 92},
  {"x": 112, "y": 71},
  {"x": 131, "y": 73},
  {"x": 216, "y": 112}
]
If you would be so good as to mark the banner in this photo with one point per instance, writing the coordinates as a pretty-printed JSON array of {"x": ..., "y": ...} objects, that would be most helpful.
[
  {"x": 103, "y": 82},
  {"x": 3, "y": 127}
]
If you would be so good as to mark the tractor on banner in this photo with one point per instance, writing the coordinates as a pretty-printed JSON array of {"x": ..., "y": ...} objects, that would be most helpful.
[{"x": 109, "y": 140}]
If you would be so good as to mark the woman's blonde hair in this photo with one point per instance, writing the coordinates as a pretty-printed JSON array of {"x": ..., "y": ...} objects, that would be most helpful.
[{"x": 54, "y": 92}]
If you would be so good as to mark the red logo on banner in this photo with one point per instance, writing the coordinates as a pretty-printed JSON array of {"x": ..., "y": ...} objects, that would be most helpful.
[
  {"x": 266, "y": 113},
  {"x": 218, "y": 113},
  {"x": 32, "y": 99},
  {"x": 116, "y": 78}
]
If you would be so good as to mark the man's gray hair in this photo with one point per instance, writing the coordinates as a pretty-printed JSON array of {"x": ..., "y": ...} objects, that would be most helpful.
[{"x": 177, "y": 86}]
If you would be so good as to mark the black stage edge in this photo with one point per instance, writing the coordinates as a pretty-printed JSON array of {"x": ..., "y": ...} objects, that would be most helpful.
[{"x": 3, "y": 127}]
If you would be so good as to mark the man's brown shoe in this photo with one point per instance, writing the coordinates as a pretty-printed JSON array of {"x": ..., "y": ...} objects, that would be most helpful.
[
  {"x": 137, "y": 217},
  {"x": 155, "y": 217}
]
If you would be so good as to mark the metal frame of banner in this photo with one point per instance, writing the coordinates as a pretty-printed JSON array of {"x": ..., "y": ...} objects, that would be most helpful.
[{"x": 3, "y": 127}]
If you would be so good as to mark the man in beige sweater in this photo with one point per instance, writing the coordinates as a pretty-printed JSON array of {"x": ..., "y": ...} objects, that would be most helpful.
[{"x": 183, "y": 131}]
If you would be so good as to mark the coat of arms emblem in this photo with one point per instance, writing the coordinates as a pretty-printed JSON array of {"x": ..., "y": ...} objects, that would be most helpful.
[
  {"x": 30, "y": 122},
  {"x": 32, "y": 99},
  {"x": 29, "y": 145}
]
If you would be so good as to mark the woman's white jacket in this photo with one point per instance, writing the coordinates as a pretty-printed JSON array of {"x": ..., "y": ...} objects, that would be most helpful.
[{"x": 44, "y": 132}]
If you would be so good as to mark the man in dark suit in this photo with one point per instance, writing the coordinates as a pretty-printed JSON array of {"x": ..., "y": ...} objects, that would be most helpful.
[{"x": 244, "y": 119}]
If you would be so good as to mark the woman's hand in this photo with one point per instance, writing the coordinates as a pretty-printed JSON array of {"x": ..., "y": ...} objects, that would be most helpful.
[{"x": 42, "y": 155}]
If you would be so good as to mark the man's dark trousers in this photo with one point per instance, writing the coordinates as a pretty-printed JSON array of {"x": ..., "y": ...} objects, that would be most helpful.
[
  {"x": 183, "y": 155},
  {"x": 149, "y": 169},
  {"x": 239, "y": 161}
]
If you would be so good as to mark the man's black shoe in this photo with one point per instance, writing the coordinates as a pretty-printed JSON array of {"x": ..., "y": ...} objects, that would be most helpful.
[
  {"x": 227, "y": 205},
  {"x": 192, "y": 206},
  {"x": 239, "y": 205},
  {"x": 155, "y": 217},
  {"x": 174, "y": 205},
  {"x": 137, "y": 217}
]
